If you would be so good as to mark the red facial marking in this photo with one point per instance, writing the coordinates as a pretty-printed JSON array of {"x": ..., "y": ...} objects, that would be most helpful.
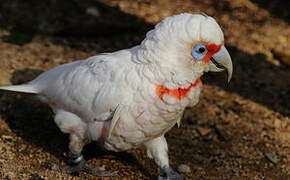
[
  {"x": 178, "y": 93},
  {"x": 212, "y": 49}
]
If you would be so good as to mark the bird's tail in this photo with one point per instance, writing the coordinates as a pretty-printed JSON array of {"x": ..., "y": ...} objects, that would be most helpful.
[{"x": 24, "y": 88}]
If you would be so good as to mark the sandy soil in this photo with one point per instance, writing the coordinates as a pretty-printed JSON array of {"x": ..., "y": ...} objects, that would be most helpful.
[{"x": 239, "y": 130}]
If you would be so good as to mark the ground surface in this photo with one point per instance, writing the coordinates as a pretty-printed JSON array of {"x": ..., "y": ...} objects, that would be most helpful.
[{"x": 239, "y": 130}]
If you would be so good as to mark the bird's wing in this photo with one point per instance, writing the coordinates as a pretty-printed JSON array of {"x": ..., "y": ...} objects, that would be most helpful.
[
  {"x": 115, "y": 118},
  {"x": 90, "y": 88}
]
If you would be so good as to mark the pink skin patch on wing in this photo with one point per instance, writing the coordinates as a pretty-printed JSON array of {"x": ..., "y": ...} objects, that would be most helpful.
[
  {"x": 71, "y": 129},
  {"x": 212, "y": 49},
  {"x": 104, "y": 129},
  {"x": 178, "y": 93}
]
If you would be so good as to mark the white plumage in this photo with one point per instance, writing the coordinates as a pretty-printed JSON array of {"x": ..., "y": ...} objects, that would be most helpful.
[{"x": 132, "y": 97}]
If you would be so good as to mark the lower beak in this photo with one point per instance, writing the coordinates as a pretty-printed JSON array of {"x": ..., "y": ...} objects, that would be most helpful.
[{"x": 222, "y": 61}]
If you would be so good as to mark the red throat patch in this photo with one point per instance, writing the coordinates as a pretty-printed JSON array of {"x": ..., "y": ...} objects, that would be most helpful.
[{"x": 178, "y": 93}]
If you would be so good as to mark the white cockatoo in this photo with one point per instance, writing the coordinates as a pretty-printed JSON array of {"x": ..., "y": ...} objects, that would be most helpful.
[{"x": 132, "y": 97}]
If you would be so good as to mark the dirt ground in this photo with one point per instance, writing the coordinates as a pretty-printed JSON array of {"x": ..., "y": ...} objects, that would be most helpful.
[{"x": 239, "y": 130}]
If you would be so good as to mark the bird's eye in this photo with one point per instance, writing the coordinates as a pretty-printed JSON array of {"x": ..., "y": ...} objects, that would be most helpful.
[{"x": 198, "y": 52}]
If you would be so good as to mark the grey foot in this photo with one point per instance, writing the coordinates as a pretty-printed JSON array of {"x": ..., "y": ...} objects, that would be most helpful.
[
  {"x": 170, "y": 174},
  {"x": 82, "y": 165}
]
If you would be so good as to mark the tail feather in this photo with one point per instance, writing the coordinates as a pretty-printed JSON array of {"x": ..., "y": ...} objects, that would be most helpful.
[{"x": 25, "y": 88}]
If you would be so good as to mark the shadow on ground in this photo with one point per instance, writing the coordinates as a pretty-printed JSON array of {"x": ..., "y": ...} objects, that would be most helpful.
[
  {"x": 254, "y": 78},
  {"x": 67, "y": 18},
  {"x": 277, "y": 8}
]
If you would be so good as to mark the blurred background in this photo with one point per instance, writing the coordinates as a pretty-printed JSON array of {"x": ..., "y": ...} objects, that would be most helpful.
[{"x": 239, "y": 130}]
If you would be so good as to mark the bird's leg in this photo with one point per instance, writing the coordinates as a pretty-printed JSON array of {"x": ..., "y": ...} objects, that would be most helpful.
[
  {"x": 72, "y": 124},
  {"x": 157, "y": 149},
  {"x": 78, "y": 162}
]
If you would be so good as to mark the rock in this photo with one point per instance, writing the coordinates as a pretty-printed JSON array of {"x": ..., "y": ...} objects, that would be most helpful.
[
  {"x": 93, "y": 11},
  {"x": 7, "y": 138},
  {"x": 283, "y": 56},
  {"x": 203, "y": 131},
  {"x": 272, "y": 157},
  {"x": 183, "y": 168},
  {"x": 277, "y": 123}
]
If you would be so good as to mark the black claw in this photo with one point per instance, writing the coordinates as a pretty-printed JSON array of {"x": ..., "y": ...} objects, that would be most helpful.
[{"x": 170, "y": 174}]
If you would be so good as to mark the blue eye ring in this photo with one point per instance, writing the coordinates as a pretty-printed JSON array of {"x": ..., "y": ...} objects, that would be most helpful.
[{"x": 199, "y": 51}]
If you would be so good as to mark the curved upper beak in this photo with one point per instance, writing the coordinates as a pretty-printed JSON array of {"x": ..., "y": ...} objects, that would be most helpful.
[{"x": 221, "y": 61}]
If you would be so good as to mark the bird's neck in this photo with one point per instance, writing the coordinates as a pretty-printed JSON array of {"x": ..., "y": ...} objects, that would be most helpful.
[
  {"x": 177, "y": 93},
  {"x": 162, "y": 71}
]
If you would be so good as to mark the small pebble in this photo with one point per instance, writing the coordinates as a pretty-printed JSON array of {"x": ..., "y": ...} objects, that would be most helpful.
[
  {"x": 183, "y": 168},
  {"x": 272, "y": 157},
  {"x": 203, "y": 131},
  {"x": 93, "y": 11}
]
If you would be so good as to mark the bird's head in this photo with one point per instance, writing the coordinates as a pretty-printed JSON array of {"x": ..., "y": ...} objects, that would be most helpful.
[{"x": 190, "y": 42}]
